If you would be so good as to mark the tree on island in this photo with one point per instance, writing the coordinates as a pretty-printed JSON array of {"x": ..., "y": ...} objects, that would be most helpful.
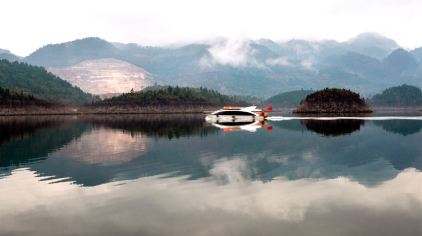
[{"x": 333, "y": 100}]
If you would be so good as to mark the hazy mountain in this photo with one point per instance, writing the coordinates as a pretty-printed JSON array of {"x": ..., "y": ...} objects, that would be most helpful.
[
  {"x": 7, "y": 55},
  {"x": 366, "y": 63},
  {"x": 372, "y": 44},
  {"x": 417, "y": 53},
  {"x": 104, "y": 76},
  {"x": 356, "y": 64},
  {"x": 400, "y": 62},
  {"x": 4, "y": 51},
  {"x": 70, "y": 53}
]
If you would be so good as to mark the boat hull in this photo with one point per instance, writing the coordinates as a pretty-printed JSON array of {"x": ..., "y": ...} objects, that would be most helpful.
[{"x": 233, "y": 118}]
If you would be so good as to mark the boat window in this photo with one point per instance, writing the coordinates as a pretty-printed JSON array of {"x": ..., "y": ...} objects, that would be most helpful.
[{"x": 234, "y": 113}]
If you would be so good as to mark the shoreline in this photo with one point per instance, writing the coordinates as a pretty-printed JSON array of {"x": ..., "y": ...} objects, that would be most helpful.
[
  {"x": 69, "y": 111},
  {"x": 125, "y": 110}
]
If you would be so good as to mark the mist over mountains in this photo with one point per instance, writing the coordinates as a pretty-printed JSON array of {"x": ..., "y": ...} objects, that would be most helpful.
[{"x": 367, "y": 63}]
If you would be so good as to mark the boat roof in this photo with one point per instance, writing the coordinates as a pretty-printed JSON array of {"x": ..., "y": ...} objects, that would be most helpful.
[{"x": 250, "y": 108}]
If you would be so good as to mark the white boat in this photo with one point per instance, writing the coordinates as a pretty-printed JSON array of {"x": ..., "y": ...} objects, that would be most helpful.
[{"x": 237, "y": 115}]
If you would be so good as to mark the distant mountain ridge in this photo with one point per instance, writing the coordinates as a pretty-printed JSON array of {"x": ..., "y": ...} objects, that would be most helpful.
[
  {"x": 7, "y": 55},
  {"x": 367, "y": 63},
  {"x": 70, "y": 53},
  {"x": 372, "y": 44}
]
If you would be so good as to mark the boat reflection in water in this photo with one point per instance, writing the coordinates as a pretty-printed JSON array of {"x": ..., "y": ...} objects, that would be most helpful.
[{"x": 250, "y": 126}]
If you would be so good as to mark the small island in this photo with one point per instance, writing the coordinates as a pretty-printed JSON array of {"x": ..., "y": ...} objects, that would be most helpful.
[{"x": 333, "y": 100}]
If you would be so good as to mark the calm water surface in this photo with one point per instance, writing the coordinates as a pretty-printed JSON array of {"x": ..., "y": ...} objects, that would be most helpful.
[{"x": 177, "y": 175}]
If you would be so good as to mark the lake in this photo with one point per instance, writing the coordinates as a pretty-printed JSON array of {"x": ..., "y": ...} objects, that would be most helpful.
[{"x": 178, "y": 175}]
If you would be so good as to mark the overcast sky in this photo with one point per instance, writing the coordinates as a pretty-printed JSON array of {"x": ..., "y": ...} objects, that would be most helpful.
[{"x": 26, "y": 25}]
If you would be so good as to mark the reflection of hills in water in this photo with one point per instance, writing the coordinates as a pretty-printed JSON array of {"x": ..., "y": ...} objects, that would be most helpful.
[
  {"x": 170, "y": 126},
  {"x": 135, "y": 146},
  {"x": 104, "y": 146},
  {"x": 332, "y": 127},
  {"x": 403, "y": 127},
  {"x": 32, "y": 138},
  {"x": 29, "y": 138},
  {"x": 21, "y": 127}
]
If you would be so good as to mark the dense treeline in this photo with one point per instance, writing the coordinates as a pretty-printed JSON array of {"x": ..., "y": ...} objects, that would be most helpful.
[
  {"x": 8, "y": 94},
  {"x": 167, "y": 95},
  {"x": 10, "y": 97},
  {"x": 42, "y": 84},
  {"x": 403, "y": 95}
]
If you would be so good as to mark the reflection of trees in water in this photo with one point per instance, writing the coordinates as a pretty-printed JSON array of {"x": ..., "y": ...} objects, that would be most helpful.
[
  {"x": 32, "y": 139},
  {"x": 26, "y": 139},
  {"x": 13, "y": 128},
  {"x": 333, "y": 127},
  {"x": 170, "y": 126},
  {"x": 403, "y": 127}
]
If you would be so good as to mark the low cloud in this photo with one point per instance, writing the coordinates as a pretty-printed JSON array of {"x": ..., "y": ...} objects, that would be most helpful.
[
  {"x": 242, "y": 53},
  {"x": 230, "y": 52},
  {"x": 280, "y": 61}
]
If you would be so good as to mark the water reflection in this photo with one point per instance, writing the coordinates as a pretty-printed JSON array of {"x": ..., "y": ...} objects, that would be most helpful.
[
  {"x": 250, "y": 126},
  {"x": 13, "y": 128},
  {"x": 177, "y": 206},
  {"x": 400, "y": 127},
  {"x": 177, "y": 175},
  {"x": 93, "y": 150},
  {"x": 168, "y": 126},
  {"x": 25, "y": 138},
  {"x": 333, "y": 127},
  {"x": 104, "y": 146}
]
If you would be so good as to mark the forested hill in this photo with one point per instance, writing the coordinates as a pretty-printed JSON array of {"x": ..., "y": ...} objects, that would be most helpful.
[
  {"x": 174, "y": 96},
  {"x": 403, "y": 95},
  {"x": 42, "y": 84}
]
